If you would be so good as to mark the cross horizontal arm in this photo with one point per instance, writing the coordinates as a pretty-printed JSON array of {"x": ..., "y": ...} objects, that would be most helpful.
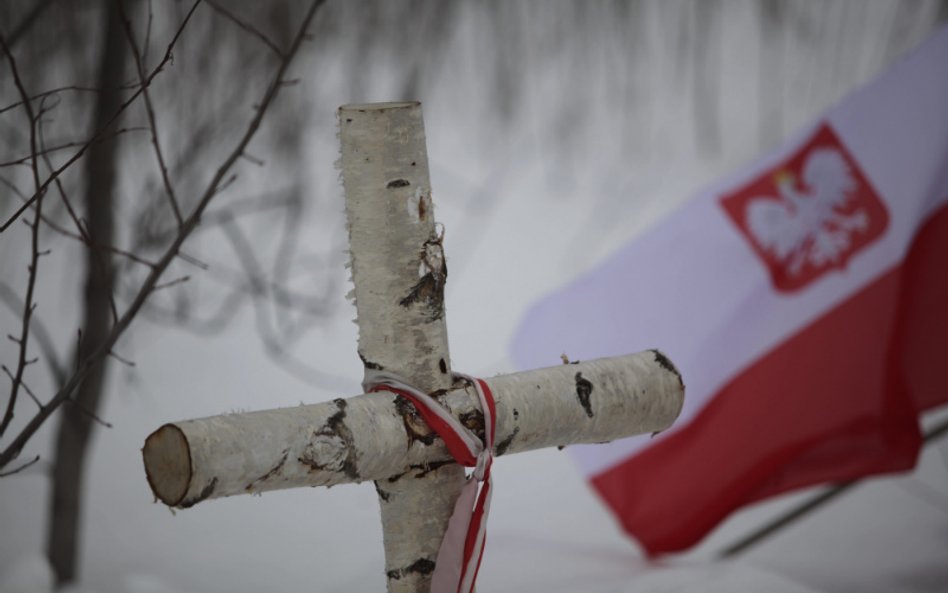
[{"x": 376, "y": 436}]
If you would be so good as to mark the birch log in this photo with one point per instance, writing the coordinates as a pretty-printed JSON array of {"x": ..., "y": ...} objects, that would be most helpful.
[
  {"x": 399, "y": 271},
  {"x": 370, "y": 437}
]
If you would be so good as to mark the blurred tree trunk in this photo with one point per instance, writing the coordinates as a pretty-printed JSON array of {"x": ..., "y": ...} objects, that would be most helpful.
[{"x": 76, "y": 422}]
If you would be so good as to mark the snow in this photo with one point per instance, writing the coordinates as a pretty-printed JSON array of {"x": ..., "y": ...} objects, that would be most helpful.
[{"x": 524, "y": 212}]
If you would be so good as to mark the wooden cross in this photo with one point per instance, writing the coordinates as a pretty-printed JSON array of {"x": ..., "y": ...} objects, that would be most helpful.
[{"x": 399, "y": 272}]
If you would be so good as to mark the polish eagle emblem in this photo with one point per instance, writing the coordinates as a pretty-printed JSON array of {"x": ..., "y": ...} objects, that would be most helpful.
[
  {"x": 808, "y": 225},
  {"x": 809, "y": 214}
]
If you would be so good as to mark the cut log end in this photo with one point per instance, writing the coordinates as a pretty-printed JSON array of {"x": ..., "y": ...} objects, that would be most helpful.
[{"x": 167, "y": 458}]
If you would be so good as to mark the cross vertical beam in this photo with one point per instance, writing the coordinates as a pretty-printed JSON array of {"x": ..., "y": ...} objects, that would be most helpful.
[{"x": 398, "y": 269}]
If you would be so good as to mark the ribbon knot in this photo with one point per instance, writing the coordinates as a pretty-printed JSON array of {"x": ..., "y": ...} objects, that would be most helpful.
[{"x": 459, "y": 556}]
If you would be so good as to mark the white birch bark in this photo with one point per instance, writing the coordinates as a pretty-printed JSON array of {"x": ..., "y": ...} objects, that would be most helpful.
[
  {"x": 368, "y": 437},
  {"x": 399, "y": 271}
]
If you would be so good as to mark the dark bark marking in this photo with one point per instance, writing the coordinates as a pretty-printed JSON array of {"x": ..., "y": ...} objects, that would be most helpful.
[
  {"x": 382, "y": 493},
  {"x": 503, "y": 445},
  {"x": 273, "y": 471},
  {"x": 473, "y": 421},
  {"x": 422, "y": 209},
  {"x": 415, "y": 426},
  {"x": 398, "y": 183},
  {"x": 666, "y": 364},
  {"x": 420, "y": 566},
  {"x": 202, "y": 495},
  {"x": 336, "y": 427},
  {"x": 443, "y": 366},
  {"x": 334, "y": 422},
  {"x": 429, "y": 290},
  {"x": 369, "y": 364},
  {"x": 584, "y": 389},
  {"x": 427, "y": 468}
]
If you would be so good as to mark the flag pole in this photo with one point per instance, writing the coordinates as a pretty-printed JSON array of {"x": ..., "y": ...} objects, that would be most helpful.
[{"x": 807, "y": 507}]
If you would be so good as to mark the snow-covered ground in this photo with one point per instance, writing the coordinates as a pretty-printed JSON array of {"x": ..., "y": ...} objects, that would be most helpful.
[{"x": 607, "y": 136}]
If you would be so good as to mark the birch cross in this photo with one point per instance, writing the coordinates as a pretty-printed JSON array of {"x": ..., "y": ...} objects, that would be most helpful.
[{"x": 399, "y": 271}]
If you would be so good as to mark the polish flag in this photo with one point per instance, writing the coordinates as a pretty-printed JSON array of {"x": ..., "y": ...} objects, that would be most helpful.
[{"x": 805, "y": 302}]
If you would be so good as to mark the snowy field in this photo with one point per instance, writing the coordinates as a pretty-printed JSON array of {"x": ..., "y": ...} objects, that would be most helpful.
[{"x": 609, "y": 131}]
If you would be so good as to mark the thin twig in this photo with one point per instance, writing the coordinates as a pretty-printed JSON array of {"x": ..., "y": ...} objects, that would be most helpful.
[
  {"x": 99, "y": 138},
  {"x": 174, "y": 282},
  {"x": 43, "y": 338},
  {"x": 107, "y": 248},
  {"x": 84, "y": 410},
  {"x": 26, "y": 387},
  {"x": 147, "y": 44},
  {"x": 125, "y": 361},
  {"x": 62, "y": 191},
  {"x": 28, "y": 304},
  {"x": 150, "y": 110},
  {"x": 85, "y": 240},
  {"x": 257, "y": 161},
  {"x": 190, "y": 223},
  {"x": 21, "y": 468},
  {"x": 78, "y": 349},
  {"x": 245, "y": 26},
  {"x": 164, "y": 61},
  {"x": 193, "y": 261},
  {"x": 57, "y": 90}
]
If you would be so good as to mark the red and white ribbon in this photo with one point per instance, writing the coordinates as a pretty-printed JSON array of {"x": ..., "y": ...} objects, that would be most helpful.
[{"x": 459, "y": 557}]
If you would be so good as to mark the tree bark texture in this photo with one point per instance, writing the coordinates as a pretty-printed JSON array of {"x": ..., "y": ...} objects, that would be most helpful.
[
  {"x": 399, "y": 271},
  {"x": 76, "y": 424},
  {"x": 369, "y": 437}
]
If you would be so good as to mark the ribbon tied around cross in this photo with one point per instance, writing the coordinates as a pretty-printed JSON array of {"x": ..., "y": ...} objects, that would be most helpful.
[{"x": 459, "y": 556}]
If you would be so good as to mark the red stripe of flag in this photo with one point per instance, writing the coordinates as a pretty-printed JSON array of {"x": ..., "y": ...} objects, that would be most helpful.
[{"x": 852, "y": 383}]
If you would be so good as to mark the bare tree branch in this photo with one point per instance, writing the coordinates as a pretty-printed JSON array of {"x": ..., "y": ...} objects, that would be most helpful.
[
  {"x": 49, "y": 93},
  {"x": 147, "y": 44},
  {"x": 56, "y": 91},
  {"x": 75, "y": 157},
  {"x": 43, "y": 338},
  {"x": 245, "y": 26},
  {"x": 28, "y": 305},
  {"x": 55, "y": 148},
  {"x": 190, "y": 223},
  {"x": 62, "y": 191},
  {"x": 82, "y": 234},
  {"x": 150, "y": 110}
]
